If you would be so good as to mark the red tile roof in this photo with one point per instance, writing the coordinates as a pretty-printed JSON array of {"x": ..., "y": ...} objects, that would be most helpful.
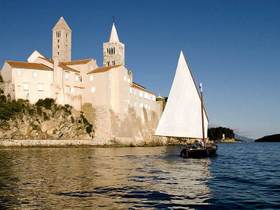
[
  {"x": 140, "y": 87},
  {"x": 102, "y": 69},
  {"x": 68, "y": 68},
  {"x": 26, "y": 65},
  {"x": 77, "y": 62}
]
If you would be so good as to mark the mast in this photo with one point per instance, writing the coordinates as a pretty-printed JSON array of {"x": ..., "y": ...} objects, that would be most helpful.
[{"x": 202, "y": 114}]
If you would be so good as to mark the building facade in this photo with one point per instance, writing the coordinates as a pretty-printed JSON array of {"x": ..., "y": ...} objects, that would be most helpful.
[{"x": 116, "y": 99}]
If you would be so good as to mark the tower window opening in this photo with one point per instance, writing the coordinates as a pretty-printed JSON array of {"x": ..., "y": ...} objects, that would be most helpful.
[{"x": 58, "y": 34}]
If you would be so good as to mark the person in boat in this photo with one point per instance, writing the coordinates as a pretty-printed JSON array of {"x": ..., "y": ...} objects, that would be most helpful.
[{"x": 197, "y": 144}]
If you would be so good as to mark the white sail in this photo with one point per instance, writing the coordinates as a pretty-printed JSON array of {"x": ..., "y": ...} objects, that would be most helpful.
[{"x": 182, "y": 114}]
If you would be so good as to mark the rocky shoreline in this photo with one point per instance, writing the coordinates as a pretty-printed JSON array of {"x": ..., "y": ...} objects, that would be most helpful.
[{"x": 95, "y": 142}]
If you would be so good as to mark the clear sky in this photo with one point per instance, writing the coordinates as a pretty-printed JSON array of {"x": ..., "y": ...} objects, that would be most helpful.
[{"x": 232, "y": 46}]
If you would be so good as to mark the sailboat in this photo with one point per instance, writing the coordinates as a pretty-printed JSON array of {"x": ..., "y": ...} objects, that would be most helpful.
[{"x": 184, "y": 115}]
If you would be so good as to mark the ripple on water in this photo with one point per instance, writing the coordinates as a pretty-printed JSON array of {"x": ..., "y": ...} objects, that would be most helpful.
[{"x": 243, "y": 176}]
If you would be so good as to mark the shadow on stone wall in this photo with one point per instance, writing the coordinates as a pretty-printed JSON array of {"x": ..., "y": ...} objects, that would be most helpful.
[{"x": 133, "y": 126}]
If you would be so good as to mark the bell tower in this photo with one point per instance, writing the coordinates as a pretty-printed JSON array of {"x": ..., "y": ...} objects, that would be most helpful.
[
  {"x": 113, "y": 50},
  {"x": 61, "y": 41}
]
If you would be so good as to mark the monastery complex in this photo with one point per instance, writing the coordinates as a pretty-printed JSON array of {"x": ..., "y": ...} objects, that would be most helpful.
[{"x": 116, "y": 105}]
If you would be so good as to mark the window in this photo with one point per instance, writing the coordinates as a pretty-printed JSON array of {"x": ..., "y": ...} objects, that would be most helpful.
[
  {"x": 25, "y": 87},
  {"x": 77, "y": 77},
  {"x": 40, "y": 87},
  {"x": 34, "y": 74},
  {"x": 92, "y": 89},
  {"x": 91, "y": 77},
  {"x": 19, "y": 72},
  {"x": 58, "y": 46},
  {"x": 58, "y": 34},
  {"x": 108, "y": 63},
  {"x": 113, "y": 63},
  {"x": 66, "y": 76},
  {"x": 66, "y": 35}
]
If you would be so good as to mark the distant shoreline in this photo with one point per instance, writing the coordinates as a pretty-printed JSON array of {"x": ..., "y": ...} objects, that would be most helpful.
[{"x": 270, "y": 138}]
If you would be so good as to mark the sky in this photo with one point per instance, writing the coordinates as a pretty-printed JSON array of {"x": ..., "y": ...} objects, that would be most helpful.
[{"x": 232, "y": 47}]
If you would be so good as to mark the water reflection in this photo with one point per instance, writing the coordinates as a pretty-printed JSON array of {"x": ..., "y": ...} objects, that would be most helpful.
[{"x": 110, "y": 178}]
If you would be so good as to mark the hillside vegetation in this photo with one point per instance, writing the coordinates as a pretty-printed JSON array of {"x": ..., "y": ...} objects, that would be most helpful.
[
  {"x": 270, "y": 138},
  {"x": 216, "y": 134}
]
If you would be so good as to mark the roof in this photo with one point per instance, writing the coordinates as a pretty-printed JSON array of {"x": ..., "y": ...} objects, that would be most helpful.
[
  {"x": 114, "y": 35},
  {"x": 140, "y": 87},
  {"x": 61, "y": 23},
  {"x": 76, "y": 62},
  {"x": 50, "y": 61},
  {"x": 102, "y": 69},
  {"x": 26, "y": 65},
  {"x": 63, "y": 66}
]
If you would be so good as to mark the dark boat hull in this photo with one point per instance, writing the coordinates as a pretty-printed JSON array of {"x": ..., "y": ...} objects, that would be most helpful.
[{"x": 199, "y": 153}]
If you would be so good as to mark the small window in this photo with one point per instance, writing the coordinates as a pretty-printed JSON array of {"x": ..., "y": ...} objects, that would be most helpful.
[
  {"x": 58, "y": 53},
  {"x": 40, "y": 87},
  {"x": 108, "y": 63},
  {"x": 19, "y": 72},
  {"x": 25, "y": 87},
  {"x": 66, "y": 76},
  {"x": 66, "y": 35},
  {"x": 113, "y": 63},
  {"x": 58, "y": 46},
  {"x": 58, "y": 34},
  {"x": 77, "y": 77},
  {"x": 34, "y": 74}
]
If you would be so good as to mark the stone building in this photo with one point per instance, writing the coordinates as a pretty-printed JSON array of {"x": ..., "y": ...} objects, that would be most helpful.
[{"x": 119, "y": 107}]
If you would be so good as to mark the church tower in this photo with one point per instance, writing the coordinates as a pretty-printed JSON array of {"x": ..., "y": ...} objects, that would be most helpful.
[
  {"x": 61, "y": 41},
  {"x": 113, "y": 51}
]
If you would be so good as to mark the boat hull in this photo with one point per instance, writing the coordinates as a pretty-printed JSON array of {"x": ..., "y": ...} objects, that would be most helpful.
[{"x": 199, "y": 153}]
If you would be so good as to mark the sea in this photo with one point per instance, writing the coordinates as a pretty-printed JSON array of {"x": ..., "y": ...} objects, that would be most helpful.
[{"x": 242, "y": 176}]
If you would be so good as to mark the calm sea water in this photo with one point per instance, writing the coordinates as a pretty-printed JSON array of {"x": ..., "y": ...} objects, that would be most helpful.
[{"x": 243, "y": 176}]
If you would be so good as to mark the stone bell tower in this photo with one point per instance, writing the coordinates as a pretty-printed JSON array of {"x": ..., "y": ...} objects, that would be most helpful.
[
  {"x": 61, "y": 41},
  {"x": 113, "y": 51}
]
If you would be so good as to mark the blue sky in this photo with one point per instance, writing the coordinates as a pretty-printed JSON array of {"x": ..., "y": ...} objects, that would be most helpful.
[{"x": 232, "y": 46}]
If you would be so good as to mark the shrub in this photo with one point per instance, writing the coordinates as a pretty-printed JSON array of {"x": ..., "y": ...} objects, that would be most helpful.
[
  {"x": 89, "y": 127},
  {"x": 46, "y": 103}
]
